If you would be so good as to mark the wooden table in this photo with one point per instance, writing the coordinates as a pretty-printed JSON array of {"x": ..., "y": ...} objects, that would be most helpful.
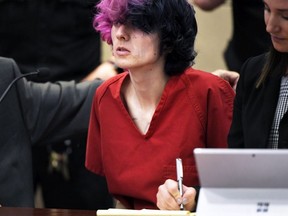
[{"x": 9, "y": 211}]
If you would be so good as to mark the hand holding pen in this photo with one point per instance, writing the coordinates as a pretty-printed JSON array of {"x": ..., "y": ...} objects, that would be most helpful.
[
  {"x": 179, "y": 170},
  {"x": 171, "y": 195}
]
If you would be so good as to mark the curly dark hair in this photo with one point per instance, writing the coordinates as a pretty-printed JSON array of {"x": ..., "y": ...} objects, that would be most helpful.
[{"x": 173, "y": 20}]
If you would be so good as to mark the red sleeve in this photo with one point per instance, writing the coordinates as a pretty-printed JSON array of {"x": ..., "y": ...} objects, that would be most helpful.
[
  {"x": 220, "y": 99},
  {"x": 214, "y": 106}
]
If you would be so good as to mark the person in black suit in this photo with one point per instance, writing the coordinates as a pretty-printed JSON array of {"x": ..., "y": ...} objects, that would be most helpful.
[
  {"x": 32, "y": 114},
  {"x": 260, "y": 118},
  {"x": 58, "y": 34}
]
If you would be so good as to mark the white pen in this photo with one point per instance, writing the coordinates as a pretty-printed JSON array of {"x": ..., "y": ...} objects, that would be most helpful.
[{"x": 179, "y": 170}]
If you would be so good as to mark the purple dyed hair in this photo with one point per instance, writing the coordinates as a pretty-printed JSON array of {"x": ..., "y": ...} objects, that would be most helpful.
[{"x": 109, "y": 12}]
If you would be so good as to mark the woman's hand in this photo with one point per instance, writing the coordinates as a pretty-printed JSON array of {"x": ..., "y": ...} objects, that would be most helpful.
[
  {"x": 168, "y": 196},
  {"x": 230, "y": 76}
]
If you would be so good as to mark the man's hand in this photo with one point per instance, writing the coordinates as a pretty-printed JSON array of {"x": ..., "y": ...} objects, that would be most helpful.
[
  {"x": 168, "y": 196},
  {"x": 104, "y": 71}
]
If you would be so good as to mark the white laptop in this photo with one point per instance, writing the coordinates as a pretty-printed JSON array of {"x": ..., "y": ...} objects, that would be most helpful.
[{"x": 242, "y": 182}]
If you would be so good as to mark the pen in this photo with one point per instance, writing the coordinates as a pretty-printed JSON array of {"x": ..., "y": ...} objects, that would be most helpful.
[{"x": 179, "y": 170}]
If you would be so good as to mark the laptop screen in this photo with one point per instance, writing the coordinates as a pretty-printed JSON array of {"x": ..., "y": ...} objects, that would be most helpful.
[{"x": 242, "y": 168}]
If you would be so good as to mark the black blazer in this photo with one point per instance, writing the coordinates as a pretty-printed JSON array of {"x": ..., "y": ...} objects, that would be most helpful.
[
  {"x": 254, "y": 109},
  {"x": 34, "y": 113}
]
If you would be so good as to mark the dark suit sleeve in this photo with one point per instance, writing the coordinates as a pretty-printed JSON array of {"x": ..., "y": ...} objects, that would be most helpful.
[
  {"x": 246, "y": 86},
  {"x": 254, "y": 108},
  {"x": 57, "y": 111}
]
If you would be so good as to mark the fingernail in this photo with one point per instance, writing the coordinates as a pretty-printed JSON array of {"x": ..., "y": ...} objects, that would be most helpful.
[
  {"x": 179, "y": 201},
  {"x": 184, "y": 201}
]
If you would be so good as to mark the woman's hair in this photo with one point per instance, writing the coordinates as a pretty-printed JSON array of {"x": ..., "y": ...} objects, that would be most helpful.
[
  {"x": 173, "y": 20},
  {"x": 275, "y": 65}
]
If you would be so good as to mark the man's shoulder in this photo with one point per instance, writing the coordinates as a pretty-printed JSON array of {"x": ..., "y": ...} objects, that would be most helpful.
[
  {"x": 205, "y": 80},
  {"x": 6, "y": 61},
  {"x": 8, "y": 68},
  {"x": 204, "y": 84}
]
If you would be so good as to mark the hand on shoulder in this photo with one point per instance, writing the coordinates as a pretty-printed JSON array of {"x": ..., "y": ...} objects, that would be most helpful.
[
  {"x": 230, "y": 76},
  {"x": 104, "y": 71}
]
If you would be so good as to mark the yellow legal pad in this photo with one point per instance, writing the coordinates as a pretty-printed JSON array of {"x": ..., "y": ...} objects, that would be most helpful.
[{"x": 143, "y": 212}]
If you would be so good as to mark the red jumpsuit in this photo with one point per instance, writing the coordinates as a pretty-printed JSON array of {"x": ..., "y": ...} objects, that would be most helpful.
[{"x": 195, "y": 110}]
